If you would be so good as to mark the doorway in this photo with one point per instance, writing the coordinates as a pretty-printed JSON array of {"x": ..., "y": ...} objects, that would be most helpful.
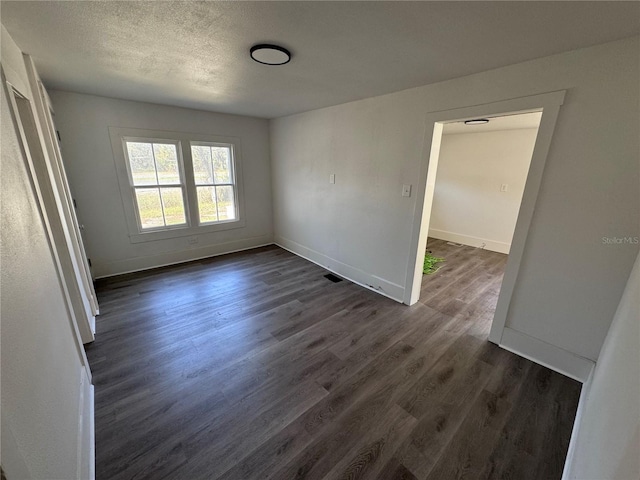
[
  {"x": 547, "y": 106},
  {"x": 481, "y": 174},
  {"x": 67, "y": 265}
]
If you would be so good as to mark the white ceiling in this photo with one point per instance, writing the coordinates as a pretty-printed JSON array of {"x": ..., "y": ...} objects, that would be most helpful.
[
  {"x": 196, "y": 54},
  {"x": 506, "y": 122}
]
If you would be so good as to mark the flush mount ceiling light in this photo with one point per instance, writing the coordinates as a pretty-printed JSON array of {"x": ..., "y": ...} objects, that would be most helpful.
[
  {"x": 476, "y": 121},
  {"x": 270, "y": 54}
]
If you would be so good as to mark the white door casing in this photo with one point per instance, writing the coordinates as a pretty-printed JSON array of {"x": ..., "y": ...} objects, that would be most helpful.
[{"x": 549, "y": 104}]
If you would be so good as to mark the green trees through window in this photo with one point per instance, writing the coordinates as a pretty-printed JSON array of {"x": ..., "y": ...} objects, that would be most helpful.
[
  {"x": 157, "y": 183},
  {"x": 161, "y": 192},
  {"x": 213, "y": 175}
]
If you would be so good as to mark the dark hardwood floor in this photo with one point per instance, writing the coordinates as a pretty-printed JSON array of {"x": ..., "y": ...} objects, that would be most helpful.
[{"x": 253, "y": 365}]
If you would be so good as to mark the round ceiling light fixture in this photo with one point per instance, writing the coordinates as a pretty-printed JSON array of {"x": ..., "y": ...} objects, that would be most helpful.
[
  {"x": 270, "y": 54},
  {"x": 476, "y": 121}
]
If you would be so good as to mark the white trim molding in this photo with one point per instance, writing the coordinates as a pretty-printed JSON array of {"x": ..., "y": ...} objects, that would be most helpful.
[
  {"x": 351, "y": 273},
  {"x": 549, "y": 104},
  {"x": 562, "y": 361},
  {"x": 477, "y": 242},
  {"x": 138, "y": 264},
  {"x": 577, "y": 422},
  {"x": 183, "y": 142}
]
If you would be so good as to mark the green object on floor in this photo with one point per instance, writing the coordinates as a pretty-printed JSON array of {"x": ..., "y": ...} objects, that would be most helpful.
[{"x": 430, "y": 263}]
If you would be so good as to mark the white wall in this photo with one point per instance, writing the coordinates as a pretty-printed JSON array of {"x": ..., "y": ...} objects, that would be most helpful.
[
  {"x": 468, "y": 206},
  {"x": 569, "y": 282},
  {"x": 606, "y": 440},
  {"x": 83, "y": 122},
  {"x": 45, "y": 387}
]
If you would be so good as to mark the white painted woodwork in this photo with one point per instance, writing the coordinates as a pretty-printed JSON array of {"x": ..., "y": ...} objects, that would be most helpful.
[
  {"x": 569, "y": 283},
  {"x": 90, "y": 161},
  {"x": 42, "y": 432},
  {"x": 606, "y": 434}
]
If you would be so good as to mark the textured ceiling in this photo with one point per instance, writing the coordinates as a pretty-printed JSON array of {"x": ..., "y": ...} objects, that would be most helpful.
[{"x": 196, "y": 54}]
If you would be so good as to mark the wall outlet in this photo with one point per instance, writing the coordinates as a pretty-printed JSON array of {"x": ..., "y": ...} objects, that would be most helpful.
[
  {"x": 332, "y": 178},
  {"x": 504, "y": 187},
  {"x": 406, "y": 190},
  {"x": 193, "y": 240}
]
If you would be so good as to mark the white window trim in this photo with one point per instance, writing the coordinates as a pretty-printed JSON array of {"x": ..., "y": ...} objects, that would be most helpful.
[
  {"x": 132, "y": 188},
  {"x": 232, "y": 148},
  {"x": 183, "y": 142}
]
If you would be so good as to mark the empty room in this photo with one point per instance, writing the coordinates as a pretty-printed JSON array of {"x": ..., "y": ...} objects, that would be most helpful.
[
  {"x": 320, "y": 240},
  {"x": 480, "y": 174}
]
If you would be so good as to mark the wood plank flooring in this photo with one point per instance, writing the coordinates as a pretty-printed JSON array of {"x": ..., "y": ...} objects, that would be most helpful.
[{"x": 254, "y": 366}]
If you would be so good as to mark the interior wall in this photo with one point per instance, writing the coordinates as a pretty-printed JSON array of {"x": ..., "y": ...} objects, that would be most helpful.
[
  {"x": 607, "y": 432},
  {"x": 83, "y": 122},
  {"x": 570, "y": 280},
  {"x": 44, "y": 379},
  {"x": 468, "y": 205}
]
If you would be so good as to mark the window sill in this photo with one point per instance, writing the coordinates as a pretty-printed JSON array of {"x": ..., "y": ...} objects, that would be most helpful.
[{"x": 184, "y": 232}]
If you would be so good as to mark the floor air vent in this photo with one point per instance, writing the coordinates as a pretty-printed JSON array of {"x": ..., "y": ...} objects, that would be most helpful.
[{"x": 333, "y": 278}]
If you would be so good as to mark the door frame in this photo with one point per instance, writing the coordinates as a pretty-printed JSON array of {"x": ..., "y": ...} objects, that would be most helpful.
[
  {"x": 58, "y": 175},
  {"x": 547, "y": 103},
  {"x": 14, "y": 92},
  {"x": 43, "y": 170}
]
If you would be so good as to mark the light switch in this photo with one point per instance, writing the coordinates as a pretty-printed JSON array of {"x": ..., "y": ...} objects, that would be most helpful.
[
  {"x": 406, "y": 190},
  {"x": 332, "y": 178},
  {"x": 504, "y": 187}
]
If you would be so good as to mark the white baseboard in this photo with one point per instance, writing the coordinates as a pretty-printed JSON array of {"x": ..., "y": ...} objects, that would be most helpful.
[
  {"x": 353, "y": 274},
  {"x": 564, "y": 362},
  {"x": 582, "y": 402},
  {"x": 477, "y": 242},
  {"x": 138, "y": 264},
  {"x": 92, "y": 434},
  {"x": 86, "y": 441}
]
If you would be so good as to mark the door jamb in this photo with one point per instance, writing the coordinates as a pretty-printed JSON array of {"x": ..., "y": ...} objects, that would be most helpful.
[
  {"x": 549, "y": 104},
  {"x": 12, "y": 91}
]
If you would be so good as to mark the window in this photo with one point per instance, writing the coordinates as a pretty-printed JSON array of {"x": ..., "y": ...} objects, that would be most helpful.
[
  {"x": 213, "y": 175},
  {"x": 157, "y": 182},
  {"x": 177, "y": 184}
]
